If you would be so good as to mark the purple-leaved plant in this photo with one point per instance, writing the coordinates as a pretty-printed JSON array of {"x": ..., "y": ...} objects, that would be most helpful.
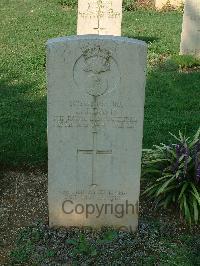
[
  {"x": 197, "y": 161},
  {"x": 181, "y": 150}
]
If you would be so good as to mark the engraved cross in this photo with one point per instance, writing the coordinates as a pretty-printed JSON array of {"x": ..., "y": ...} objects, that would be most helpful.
[
  {"x": 99, "y": 3},
  {"x": 94, "y": 152}
]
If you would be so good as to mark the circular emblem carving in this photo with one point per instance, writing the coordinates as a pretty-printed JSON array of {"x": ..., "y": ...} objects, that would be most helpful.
[{"x": 96, "y": 72}]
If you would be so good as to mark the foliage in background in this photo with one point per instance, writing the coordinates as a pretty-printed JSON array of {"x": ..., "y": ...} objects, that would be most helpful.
[
  {"x": 173, "y": 175},
  {"x": 69, "y": 3},
  {"x": 169, "y": 7},
  {"x": 132, "y": 5},
  {"x": 179, "y": 62},
  {"x": 186, "y": 61},
  {"x": 128, "y": 5}
]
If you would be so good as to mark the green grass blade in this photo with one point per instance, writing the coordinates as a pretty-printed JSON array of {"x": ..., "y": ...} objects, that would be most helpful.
[
  {"x": 161, "y": 190},
  {"x": 196, "y": 211},
  {"x": 186, "y": 209},
  {"x": 183, "y": 190},
  {"x": 195, "y": 192}
]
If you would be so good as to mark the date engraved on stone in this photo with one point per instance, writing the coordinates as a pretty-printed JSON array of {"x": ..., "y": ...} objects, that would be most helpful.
[{"x": 101, "y": 194}]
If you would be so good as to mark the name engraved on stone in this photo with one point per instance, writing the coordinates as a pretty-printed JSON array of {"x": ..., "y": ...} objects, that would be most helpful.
[{"x": 73, "y": 121}]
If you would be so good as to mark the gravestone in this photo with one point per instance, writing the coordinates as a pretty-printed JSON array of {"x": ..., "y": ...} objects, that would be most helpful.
[
  {"x": 160, "y": 4},
  {"x": 96, "y": 91},
  {"x": 101, "y": 17},
  {"x": 190, "y": 38}
]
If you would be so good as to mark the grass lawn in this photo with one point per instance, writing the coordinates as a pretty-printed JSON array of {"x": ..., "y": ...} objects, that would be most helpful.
[
  {"x": 172, "y": 104},
  {"x": 172, "y": 98}
]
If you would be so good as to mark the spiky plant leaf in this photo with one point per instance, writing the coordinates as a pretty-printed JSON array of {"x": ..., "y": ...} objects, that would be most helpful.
[{"x": 172, "y": 175}]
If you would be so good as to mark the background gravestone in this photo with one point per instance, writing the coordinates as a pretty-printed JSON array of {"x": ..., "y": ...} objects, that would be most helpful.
[
  {"x": 190, "y": 38},
  {"x": 96, "y": 91},
  {"x": 102, "y": 17}
]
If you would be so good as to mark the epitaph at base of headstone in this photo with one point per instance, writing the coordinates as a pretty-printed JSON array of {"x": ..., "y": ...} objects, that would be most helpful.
[
  {"x": 96, "y": 92},
  {"x": 190, "y": 37},
  {"x": 101, "y": 17}
]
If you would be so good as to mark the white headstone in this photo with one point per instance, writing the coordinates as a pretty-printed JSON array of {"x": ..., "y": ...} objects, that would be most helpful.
[
  {"x": 96, "y": 91},
  {"x": 102, "y": 17},
  {"x": 160, "y": 4},
  {"x": 190, "y": 38}
]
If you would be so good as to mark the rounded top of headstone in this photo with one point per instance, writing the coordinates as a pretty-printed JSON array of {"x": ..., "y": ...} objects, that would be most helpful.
[{"x": 93, "y": 37}]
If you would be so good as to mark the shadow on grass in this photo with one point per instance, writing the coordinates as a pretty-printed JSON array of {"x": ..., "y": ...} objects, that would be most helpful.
[
  {"x": 146, "y": 39},
  {"x": 23, "y": 124},
  {"x": 172, "y": 104}
]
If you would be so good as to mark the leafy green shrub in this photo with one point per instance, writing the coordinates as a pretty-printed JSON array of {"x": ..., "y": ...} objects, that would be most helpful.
[
  {"x": 169, "y": 7},
  {"x": 132, "y": 5},
  {"x": 69, "y": 3},
  {"x": 169, "y": 65},
  {"x": 186, "y": 61},
  {"x": 129, "y": 5},
  {"x": 173, "y": 175},
  {"x": 82, "y": 246}
]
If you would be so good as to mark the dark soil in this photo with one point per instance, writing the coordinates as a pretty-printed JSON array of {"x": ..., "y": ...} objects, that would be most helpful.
[{"x": 25, "y": 232}]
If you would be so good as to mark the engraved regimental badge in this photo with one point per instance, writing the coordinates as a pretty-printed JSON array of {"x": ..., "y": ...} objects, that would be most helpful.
[{"x": 96, "y": 71}]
